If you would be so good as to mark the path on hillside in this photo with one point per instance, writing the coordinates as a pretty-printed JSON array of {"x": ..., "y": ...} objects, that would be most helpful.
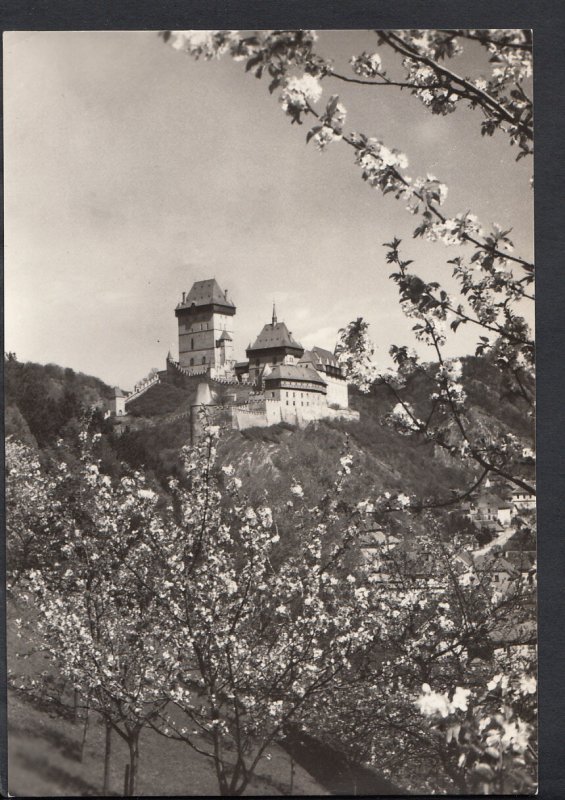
[
  {"x": 333, "y": 770},
  {"x": 499, "y": 541}
]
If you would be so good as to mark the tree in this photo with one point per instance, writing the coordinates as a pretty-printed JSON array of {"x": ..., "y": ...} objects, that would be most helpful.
[
  {"x": 493, "y": 288},
  {"x": 99, "y": 630},
  {"x": 195, "y": 619},
  {"x": 259, "y": 633},
  {"x": 493, "y": 283},
  {"x": 442, "y": 622}
]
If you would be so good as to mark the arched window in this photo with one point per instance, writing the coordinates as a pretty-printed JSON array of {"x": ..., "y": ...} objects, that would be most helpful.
[
  {"x": 191, "y": 362},
  {"x": 203, "y": 359}
]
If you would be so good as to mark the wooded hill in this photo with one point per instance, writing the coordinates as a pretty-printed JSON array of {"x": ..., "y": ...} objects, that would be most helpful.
[
  {"x": 41, "y": 400},
  {"x": 44, "y": 403}
]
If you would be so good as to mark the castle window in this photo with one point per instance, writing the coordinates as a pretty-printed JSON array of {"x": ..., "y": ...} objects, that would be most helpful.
[
  {"x": 192, "y": 344},
  {"x": 203, "y": 359},
  {"x": 287, "y": 402},
  {"x": 191, "y": 362}
]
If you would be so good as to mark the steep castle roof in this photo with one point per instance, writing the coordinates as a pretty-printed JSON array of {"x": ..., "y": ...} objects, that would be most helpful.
[
  {"x": 317, "y": 355},
  {"x": 295, "y": 372},
  {"x": 118, "y": 392},
  {"x": 275, "y": 334},
  {"x": 325, "y": 356},
  {"x": 204, "y": 293}
]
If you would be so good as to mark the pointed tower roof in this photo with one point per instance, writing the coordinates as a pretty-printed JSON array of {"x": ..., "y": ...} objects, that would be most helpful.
[
  {"x": 275, "y": 334},
  {"x": 205, "y": 293}
]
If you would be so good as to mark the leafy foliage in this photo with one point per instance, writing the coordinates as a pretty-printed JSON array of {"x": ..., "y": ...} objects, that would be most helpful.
[{"x": 47, "y": 398}]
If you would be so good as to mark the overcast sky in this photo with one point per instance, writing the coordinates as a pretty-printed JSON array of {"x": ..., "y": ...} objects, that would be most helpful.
[{"x": 132, "y": 171}]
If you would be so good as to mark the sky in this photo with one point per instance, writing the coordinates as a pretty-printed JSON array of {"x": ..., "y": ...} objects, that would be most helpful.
[{"x": 132, "y": 170}]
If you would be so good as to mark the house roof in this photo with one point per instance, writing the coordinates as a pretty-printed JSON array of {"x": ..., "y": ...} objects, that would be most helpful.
[
  {"x": 295, "y": 372},
  {"x": 518, "y": 491},
  {"x": 522, "y": 560},
  {"x": 494, "y": 563},
  {"x": 465, "y": 557},
  {"x": 204, "y": 293},
  {"x": 320, "y": 357},
  {"x": 275, "y": 334},
  {"x": 225, "y": 337},
  {"x": 118, "y": 392},
  {"x": 325, "y": 356},
  {"x": 491, "y": 501}
]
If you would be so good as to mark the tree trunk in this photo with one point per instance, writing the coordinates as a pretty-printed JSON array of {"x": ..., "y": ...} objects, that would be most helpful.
[
  {"x": 107, "y": 754},
  {"x": 84, "y": 730},
  {"x": 133, "y": 763},
  {"x": 292, "y": 771}
]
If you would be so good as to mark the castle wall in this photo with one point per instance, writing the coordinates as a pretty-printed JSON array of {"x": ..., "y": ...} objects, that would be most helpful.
[
  {"x": 265, "y": 412},
  {"x": 337, "y": 393}
]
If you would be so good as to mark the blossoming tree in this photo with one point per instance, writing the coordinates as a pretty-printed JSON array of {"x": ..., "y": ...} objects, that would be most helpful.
[
  {"x": 442, "y": 623},
  {"x": 494, "y": 284},
  {"x": 258, "y": 635},
  {"x": 99, "y": 630},
  {"x": 192, "y": 619},
  {"x": 494, "y": 287}
]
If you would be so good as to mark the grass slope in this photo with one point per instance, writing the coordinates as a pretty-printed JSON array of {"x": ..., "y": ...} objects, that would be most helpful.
[
  {"x": 44, "y": 761},
  {"x": 44, "y": 752}
]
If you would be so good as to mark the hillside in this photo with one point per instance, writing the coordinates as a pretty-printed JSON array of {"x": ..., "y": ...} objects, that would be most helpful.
[
  {"x": 45, "y": 403},
  {"x": 41, "y": 400},
  {"x": 52, "y": 753},
  {"x": 268, "y": 460},
  {"x": 161, "y": 399}
]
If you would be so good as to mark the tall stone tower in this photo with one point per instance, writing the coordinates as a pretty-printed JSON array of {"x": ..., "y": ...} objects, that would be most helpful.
[{"x": 205, "y": 319}]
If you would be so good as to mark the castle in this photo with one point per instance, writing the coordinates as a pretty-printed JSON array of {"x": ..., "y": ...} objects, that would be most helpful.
[{"x": 281, "y": 381}]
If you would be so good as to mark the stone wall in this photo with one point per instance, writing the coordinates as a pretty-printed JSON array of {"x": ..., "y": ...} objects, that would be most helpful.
[
  {"x": 337, "y": 392},
  {"x": 265, "y": 412}
]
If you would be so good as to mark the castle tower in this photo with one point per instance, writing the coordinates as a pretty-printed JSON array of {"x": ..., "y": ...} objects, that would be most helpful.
[
  {"x": 274, "y": 345},
  {"x": 205, "y": 319}
]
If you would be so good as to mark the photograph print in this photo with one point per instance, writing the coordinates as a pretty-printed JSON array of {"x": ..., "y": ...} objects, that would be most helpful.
[{"x": 269, "y": 413}]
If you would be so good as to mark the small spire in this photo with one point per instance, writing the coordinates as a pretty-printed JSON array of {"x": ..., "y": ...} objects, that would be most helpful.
[{"x": 274, "y": 314}]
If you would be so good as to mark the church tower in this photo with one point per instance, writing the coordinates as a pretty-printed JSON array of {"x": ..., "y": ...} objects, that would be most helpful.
[{"x": 205, "y": 320}]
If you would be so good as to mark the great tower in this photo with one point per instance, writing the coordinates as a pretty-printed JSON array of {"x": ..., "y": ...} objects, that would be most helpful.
[{"x": 205, "y": 319}]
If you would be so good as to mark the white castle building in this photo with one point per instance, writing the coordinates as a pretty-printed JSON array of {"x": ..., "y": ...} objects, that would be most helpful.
[{"x": 279, "y": 381}]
